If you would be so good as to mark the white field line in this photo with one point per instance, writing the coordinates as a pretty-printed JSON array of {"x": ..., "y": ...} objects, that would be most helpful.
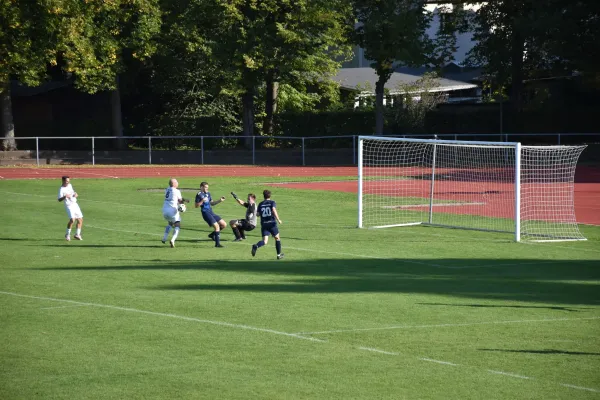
[
  {"x": 167, "y": 315},
  {"x": 438, "y": 361},
  {"x": 580, "y": 388},
  {"x": 389, "y": 353},
  {"x": 383, "y": 328},
  {"x": 508, "y": 374},
  {"x": 54, "y": 308}
]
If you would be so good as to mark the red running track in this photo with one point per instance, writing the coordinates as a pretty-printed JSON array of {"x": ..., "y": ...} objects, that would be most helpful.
[{"x": 587, "y": 188}]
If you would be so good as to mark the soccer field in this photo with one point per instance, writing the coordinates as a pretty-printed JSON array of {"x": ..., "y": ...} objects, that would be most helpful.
[{"x": 400, "y": 313}]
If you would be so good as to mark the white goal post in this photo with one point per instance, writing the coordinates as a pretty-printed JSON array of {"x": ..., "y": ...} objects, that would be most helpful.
[{"x": 488, "y": 186}]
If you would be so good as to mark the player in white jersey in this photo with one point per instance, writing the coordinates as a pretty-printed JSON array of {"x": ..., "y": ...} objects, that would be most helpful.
[
  {"x": 69, "y": 196},
  {"x": 170, "y": 210}
]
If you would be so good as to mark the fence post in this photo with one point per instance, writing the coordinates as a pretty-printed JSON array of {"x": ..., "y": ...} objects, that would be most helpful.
[
  {"x": 149, "y": 149},
  {"x": 93, "y": 152},
  {"x": 37, "y": 150},
  {"x": 303, "y": 161},
  {"x": 201, "y": 149},
  {"x": 559, "y": 138},
  {"x": 253, "y": 151}
]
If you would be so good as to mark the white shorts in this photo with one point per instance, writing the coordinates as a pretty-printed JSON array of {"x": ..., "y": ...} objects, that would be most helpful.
[
  {"x": 171, "y": 215},
  {"x": 74, "y": 212}
]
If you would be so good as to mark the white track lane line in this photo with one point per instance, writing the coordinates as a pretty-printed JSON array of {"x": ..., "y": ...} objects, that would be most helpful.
[
  {"x": 446, "y": 325},
  {"x": 159, "y": 314}
]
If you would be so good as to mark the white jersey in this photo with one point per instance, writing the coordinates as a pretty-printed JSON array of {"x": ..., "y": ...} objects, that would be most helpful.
[
  {"x": 172, "y": 197},
  {"x": 64, "y": 190}
]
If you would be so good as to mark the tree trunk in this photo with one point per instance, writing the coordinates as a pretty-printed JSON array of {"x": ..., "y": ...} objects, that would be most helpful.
[
  {"x": 116, "y": 116},
  {"x": 379, "y": 92},
  {"x": 8, "y": 127},
  {"x": 270, "y": 103}
]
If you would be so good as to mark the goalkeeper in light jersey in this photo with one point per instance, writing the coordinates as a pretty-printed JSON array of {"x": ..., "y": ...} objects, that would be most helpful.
[
  {"x": 170, "y": 210},
  {"x": 240, "y": 226}
]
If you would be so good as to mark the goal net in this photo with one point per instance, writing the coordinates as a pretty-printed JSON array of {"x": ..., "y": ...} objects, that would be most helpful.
[{"x": 490, "y": 186}]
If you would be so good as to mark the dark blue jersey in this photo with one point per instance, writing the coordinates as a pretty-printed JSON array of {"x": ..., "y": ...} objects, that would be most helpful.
[
  {"x": 205, "y": 207},
  {"x": 265, "y": 210}
]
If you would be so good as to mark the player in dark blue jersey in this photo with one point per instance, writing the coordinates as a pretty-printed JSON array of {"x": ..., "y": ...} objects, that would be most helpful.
[
  {"x": 205, "y": 202},
  {"x": 268, "y": 223}
]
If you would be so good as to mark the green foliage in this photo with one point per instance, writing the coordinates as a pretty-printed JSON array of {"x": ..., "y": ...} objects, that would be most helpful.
[
  {"x": 560, "y": 38},
  {"x": 418, "y": 99},
  {"x": 93, "y": 36}
]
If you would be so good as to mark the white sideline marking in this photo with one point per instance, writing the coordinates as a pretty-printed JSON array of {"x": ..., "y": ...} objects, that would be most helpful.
[
  {"x": 508, "y": 374},
  {"x": 159, "y": 314},
  {"x": 580, "y": 388},
  {"x": 447, "y": 325},
  {"x": 379, "y": 351},
  {"x": 54, "y": 308},
  {"x": 438, "y": 361}
]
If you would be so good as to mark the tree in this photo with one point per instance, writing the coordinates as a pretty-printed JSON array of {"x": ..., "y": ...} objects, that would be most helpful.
[
  {"x": 279, "y": 41},
  {"x": 527, "y": 39},
  {"x": 27, "y": 46},
  {"x": 418, "y": 98},
  {"x": 86, "y": 39},
  {"x": 392, "y": 33}
]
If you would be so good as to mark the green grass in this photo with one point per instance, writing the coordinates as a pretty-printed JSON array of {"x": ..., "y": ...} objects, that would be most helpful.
[{"x": 122, "y": 316}]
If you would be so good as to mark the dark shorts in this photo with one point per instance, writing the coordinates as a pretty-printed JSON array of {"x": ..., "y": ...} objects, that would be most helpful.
[
  {"x": 270, "y": 229},
  {"x": 211, "y": 218},
  {"x": 242, "y": 223}
]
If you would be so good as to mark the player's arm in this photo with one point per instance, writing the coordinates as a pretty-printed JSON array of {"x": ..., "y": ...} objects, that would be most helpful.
[
  {"x": 276, "y": 216},
  {"x": 66, "y": 196},
  {"x": 215, "y": 202},
  {"x": 240, "y": 202}
]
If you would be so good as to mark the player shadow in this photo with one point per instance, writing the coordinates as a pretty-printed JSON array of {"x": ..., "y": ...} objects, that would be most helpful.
[
  {"x": 558, "y": 308},
  {"x": 545, "y": 351}
]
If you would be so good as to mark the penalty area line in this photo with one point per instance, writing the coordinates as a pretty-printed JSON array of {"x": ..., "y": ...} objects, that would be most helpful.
[{"x": 167, "y": 315}]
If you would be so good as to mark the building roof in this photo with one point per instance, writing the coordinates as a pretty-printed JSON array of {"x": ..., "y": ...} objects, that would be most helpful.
[{"x": 365, "y": 79}]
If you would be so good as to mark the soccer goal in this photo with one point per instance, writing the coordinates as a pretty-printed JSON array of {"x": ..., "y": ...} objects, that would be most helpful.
[{"x": 488, "y": 186}]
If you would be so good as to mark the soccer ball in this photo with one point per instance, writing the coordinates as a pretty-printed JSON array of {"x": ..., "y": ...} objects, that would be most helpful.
[{"x": 181, "y": 208}]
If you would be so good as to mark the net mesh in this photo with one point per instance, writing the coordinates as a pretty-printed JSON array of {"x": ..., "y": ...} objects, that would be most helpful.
[
  {"x": 468, "y": 186},
  {"x": 548, "y": 192}
]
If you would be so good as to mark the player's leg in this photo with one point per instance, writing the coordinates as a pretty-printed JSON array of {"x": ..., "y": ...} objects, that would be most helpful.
[
  {"x": 235, "y": 228},
  {"x": 278, "y": 246},
  {"x": 176, "y": 225},
  {"x": 265, "y": 240},
  {"x": 168, "y": 216},
  {"x": 78, "y": 231},
  {"x": 217, "y": 234},
  {"x": 68, "y": 232}
]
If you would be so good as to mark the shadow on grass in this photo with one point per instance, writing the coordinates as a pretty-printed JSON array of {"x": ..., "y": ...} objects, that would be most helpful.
[
  {"x": 573, "y": 282},
  {"x": 545, "y": 351}
]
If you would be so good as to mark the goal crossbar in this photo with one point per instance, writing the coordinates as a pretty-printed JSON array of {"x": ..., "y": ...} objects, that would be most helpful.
[{"x": 478, "y": 185}]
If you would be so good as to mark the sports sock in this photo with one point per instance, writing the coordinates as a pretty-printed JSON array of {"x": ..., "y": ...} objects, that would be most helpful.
[
  {"x": 236, "y": 232},
  {"x": 260, "y": 244},
  {"x": 68, "y": 232},
  {"x": 218, "y": 238},
  {"x": 175, "y": 233},
  {"x": 78, "y": 232},
  {"x": 167, "y": 230},
  {"x": 278, "y": 246},
  {"x": 242, "y": 234}
]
